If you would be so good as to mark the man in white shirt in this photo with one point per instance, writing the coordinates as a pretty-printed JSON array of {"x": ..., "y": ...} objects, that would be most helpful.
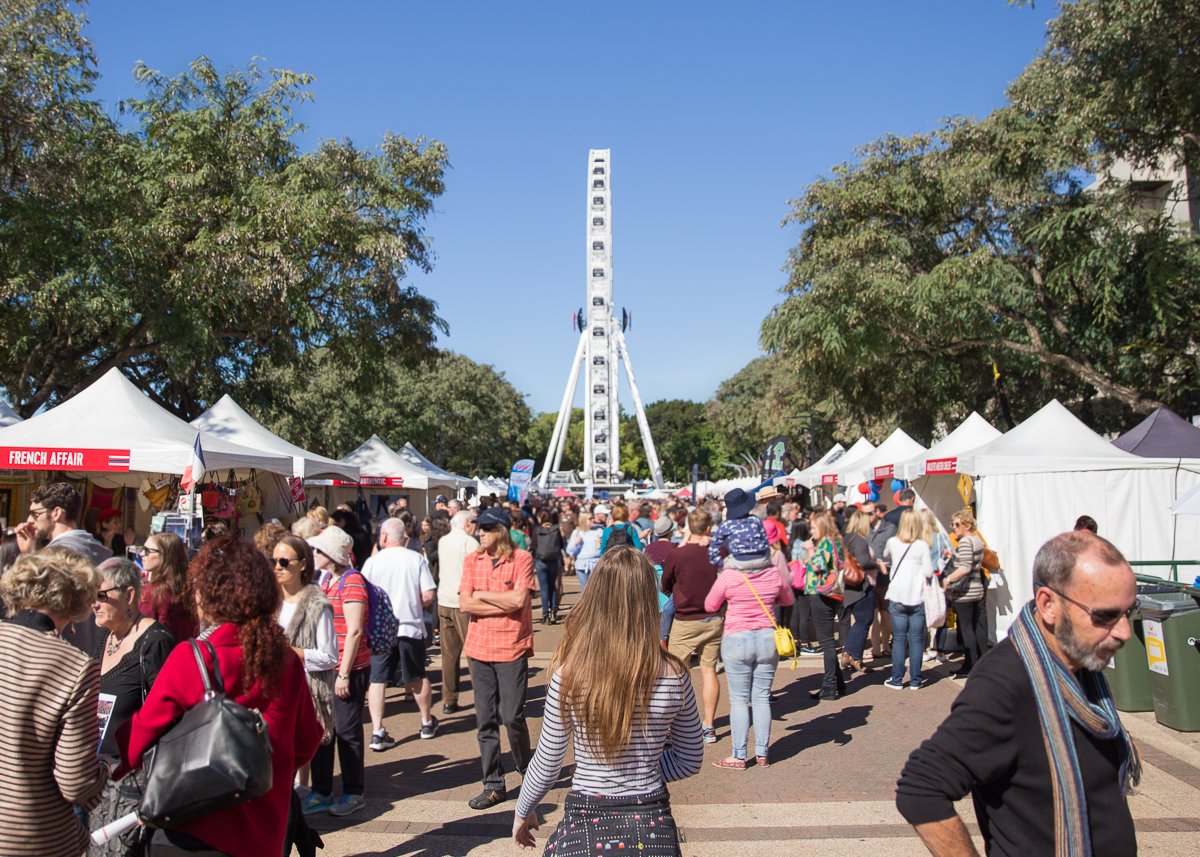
[
  {"x": 405, "y": 576},
  {"x": 453, "y": 548}
]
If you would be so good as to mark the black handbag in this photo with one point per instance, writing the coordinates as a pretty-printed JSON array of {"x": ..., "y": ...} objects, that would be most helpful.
[
  {"x": 958, "y": 588},
  {"x": 218, "y": 755}
]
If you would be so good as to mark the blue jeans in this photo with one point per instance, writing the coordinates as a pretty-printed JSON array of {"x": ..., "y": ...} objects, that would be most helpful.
[
  {"x": 908, "y": 638},
  {"x": 665, "y": 620},
  {"x": 750, "y": 661},
  {"x": 582, "y": 574},
  {"x": 863, "y": 612},
  {"x": 547, "y": 574}
]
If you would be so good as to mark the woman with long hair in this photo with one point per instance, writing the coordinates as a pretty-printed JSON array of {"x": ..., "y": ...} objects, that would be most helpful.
[
  {"x": 858, "y": 601},
  {"x": 163, "y": 598},
  {"x": 237, "y": 598},
  {"x": 825, "y": 553},
  {"x": 617, "y": 699},
  {"x": 912, "y": 569}
]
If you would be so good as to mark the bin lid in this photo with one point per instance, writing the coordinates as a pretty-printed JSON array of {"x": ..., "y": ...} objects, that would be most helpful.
[{"x": 1165, "y": 604}]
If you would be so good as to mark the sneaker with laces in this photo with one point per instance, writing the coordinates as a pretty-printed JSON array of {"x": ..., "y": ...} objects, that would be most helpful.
[
  {"x": 347, "y": 804},
  {"x": 710, "y": 735},
  {"x": 315, "y": 802},
  {"x": 893, "y": 685},
  {"x": 381, "y": 741},
  {"x": 428, "y": 730}
]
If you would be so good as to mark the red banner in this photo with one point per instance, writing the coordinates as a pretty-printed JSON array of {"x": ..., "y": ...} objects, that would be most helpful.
[
  {"x": 372, "y": 482},
  {"x": 884, "y": 472},
  {"x": 941, "y": 465},
  {"x": 296, "y": 484},
  {"x": 829, "y": 479},
  {"x": 60, "y": 458}
]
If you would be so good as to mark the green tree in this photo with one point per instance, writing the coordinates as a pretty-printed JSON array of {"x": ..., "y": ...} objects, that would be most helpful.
[
  {"x": 536, "y": 441},
  {"x": 461, "y": 414},
  {"x": 205, "y": 244},
  {"x": 682, "y": 437},
  {"x": 933, "y": 262}
]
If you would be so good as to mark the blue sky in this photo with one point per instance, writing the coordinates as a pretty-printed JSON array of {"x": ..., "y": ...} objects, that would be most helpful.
[{"x": 717, "y": 115}]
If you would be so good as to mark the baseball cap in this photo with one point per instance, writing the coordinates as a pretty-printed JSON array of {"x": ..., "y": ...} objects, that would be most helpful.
[{"x": 601, "y": 510}]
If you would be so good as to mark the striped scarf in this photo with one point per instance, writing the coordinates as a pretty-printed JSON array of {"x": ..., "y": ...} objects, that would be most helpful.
[{"x": 1062, "y": 697}]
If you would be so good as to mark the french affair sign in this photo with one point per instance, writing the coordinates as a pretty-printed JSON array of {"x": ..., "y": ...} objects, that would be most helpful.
[{"x": 63, "y": 458}]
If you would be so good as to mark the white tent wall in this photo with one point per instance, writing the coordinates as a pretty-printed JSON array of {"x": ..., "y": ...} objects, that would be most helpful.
[{"x": 1019, "y": 512}]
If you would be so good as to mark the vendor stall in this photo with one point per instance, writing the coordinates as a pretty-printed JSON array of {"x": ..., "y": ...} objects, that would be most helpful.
[{"x": 934, "y": 473}]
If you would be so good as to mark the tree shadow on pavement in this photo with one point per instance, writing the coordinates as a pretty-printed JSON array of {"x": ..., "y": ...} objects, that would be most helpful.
[{"x": 832, "y": 728}]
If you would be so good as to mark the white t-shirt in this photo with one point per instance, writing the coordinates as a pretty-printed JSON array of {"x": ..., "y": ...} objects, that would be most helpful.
[
  {"x": 404, "y": 575},
  {"x": 908, "y": 578},
  {"x": 325, "y": 655},
  {"x": 453, "y": 549}
]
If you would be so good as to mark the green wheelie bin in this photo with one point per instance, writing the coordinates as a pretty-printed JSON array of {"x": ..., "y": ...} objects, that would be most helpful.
[
  {"x": 1127, "y": 672},
  {"x": 1171, "y": 625}
]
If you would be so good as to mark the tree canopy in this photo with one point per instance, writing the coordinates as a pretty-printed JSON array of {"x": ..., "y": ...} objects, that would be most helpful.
[
  {"x": 977, "y": 268},
  {"x": 203, "y": 243}
]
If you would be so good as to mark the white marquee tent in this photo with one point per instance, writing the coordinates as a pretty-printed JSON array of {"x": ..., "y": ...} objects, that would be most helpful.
[
  {"x": 112, "y": 430},
  {"x": 880, "y": 462},
  {"x": 227, "y": 419},
  {"x": 934, "y": 473},
  {"x": 436, "y": 475},
  {"x": 1034, "y": 481},
  {"x": 797, "y": 476},
  {"x": 825, "y": 472}
]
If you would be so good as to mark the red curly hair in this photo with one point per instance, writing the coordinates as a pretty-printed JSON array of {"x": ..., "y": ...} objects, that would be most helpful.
[{"x": 235, "y": 584}]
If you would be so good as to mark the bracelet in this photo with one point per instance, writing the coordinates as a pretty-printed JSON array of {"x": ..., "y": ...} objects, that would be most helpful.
[{"x": 344, "y": 677}]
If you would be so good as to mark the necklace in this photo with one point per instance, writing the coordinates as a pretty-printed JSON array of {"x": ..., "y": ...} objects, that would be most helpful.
[{"x": 114, "y": 642}]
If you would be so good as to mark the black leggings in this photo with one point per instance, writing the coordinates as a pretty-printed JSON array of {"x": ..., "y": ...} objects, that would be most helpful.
[{"x": 972, "y": 631}]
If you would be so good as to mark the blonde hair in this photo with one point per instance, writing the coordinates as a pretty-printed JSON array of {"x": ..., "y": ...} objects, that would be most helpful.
[
  {"x": 306, "y": 527},
  {"x": 58, "y": 581},
  {"x": 825, "y": 524},
  {"x": 607, "y": 677},
  {"x": 929, "y": 525},
  {"x": 319, "y": 514},
  {"x": 504, "y": 545},
  {"x": 910, "y": 527},
  {"x": 860, "y": 523},
  {"x": 966, "y": 516}
]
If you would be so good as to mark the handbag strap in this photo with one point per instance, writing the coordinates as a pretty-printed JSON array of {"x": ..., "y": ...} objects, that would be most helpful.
[
  {"x": 216, "y": 682},
  {"x": 770, "y": 615}
]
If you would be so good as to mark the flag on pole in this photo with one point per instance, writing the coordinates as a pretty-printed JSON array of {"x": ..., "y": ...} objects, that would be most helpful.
[{"x": 194, "y": 472}]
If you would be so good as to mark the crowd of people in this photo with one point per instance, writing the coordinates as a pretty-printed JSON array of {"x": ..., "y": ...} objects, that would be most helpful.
[{"x": 311, "y": 623}]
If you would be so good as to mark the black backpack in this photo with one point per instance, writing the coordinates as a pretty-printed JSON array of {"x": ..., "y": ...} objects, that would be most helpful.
[
  {"x": 548, "y": 543},
  {"x": 618, "y": 536}
]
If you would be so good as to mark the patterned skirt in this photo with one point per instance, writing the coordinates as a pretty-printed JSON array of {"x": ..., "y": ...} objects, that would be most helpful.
[{"x": 626, "y": 825}]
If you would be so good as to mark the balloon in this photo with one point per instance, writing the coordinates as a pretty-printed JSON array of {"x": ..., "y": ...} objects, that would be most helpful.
[
  {"x": 896, "y": 498},
  {"x": 863, "y": 488},
  {"x": 873, "y": 496},
  {"x": 897, "y": 484},
  {"x": 878, "y": 483}
]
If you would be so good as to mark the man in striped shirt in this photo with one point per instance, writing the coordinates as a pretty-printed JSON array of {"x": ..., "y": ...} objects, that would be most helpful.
[{"x": 496, "y": 587}]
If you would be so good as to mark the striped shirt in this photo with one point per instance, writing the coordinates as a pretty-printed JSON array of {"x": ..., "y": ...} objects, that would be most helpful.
[
  {"x": 352, "y": 589},
  {"x": 49, "y": 735},
  {"x": 643, "y": 766}
]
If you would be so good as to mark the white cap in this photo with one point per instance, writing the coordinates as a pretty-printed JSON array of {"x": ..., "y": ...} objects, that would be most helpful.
[
  {"x": 839, "y": 498},
  {"x": 601, "y": 509}
]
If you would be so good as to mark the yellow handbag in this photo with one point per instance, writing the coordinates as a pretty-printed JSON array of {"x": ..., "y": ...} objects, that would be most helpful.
[{"x": 785, "y": 643}]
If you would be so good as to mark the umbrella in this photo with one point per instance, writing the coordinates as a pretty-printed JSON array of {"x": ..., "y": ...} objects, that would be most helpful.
[{"x": 562, "y": 492}]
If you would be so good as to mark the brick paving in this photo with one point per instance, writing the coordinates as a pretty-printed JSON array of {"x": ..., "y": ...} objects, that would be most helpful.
[{"x": 832, "y": 777}]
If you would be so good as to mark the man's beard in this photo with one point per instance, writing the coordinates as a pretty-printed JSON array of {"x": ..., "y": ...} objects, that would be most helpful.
[{"x": 1090, "y": 658}]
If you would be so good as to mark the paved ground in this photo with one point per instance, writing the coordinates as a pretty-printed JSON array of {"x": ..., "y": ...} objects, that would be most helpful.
[{"x": 829, "y": 789}]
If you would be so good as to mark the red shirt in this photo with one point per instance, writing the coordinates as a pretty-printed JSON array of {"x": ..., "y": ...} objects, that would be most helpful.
[
  {"x": 257, "y": 827},
  {"x": 349, "y": 589},
  {"x": 503, "y": 638}
]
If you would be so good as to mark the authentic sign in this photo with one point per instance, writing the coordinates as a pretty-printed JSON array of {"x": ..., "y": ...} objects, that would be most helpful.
[
  {"x": 941, "y": 465},
  {"x": 60, "y": 458}
]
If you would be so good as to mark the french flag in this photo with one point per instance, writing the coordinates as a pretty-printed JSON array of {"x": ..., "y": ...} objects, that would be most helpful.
[{"x": 194, "y": 472}]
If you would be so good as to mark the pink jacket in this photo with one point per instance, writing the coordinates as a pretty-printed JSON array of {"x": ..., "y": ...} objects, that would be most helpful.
[{"x": 745, "y": 613}]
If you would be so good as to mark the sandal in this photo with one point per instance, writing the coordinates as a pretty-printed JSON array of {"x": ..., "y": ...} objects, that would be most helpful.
[
  {"x": 730, "y": 762},
  {"x": 762, "y": 761}
]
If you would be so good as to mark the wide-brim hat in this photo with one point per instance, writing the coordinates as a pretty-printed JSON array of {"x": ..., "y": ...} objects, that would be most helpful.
[
  {"x": 664, "y": 526},
  {"x": 769, "y": 492},
  {"x": 738, "y": 503},
  {"x": 335, "y": 543}
]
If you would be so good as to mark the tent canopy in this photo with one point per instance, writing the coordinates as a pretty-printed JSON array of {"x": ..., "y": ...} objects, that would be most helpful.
[
  {"x": 826, "y": 472},
  {"x": 797, "y": 476},
  {"x": 8, "y": 416},
  {"x": 942, "y": 457},
  {"x": 228, "y": 420},
  {"x": 380, "y": 466},
  {"x": 436, "y": 475},
  {"x": 880, "y": 462},
  {"x": 1052, "y": 440},
  {"x": 1163, "y": 434},
  {"x": 113, "y": 427}
]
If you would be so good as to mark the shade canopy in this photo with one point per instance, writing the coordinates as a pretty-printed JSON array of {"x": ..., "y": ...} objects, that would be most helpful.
[
  {"x": 380, "y": 466},
  {"x": 796, "y": 477},
  {"x": 8, "y": 416},
  {"x": 112, "y": 427},
  {"x": 1163, "y": 434},
  {"x": 880, "y": 462},
  {"x": 942, "y": 457},
  {"x": 228, "y": 420},
  {"x": 826, "y": 472}
]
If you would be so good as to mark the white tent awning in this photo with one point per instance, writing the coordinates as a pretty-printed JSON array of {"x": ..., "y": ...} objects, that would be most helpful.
[
  {"x": 942, "y": 457},
  {"x": 880, "y": 462},
  {"x": 827, "y": 474}
]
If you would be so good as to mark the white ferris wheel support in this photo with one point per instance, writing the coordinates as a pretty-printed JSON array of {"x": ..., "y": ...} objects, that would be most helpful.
[{"x": 601, "y": 346}]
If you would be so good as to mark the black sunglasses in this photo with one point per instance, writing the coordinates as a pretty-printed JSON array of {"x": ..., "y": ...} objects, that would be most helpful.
[
  {"x": 284, "y": 562},
  {"x": 1105, "y": 618}
]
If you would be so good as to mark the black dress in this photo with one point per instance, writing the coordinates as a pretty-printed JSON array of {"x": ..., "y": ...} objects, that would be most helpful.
[{"x": 131, "y": 679}]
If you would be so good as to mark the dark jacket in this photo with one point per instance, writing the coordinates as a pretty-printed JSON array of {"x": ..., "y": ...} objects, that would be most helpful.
[{"x": 547, "y": 543}]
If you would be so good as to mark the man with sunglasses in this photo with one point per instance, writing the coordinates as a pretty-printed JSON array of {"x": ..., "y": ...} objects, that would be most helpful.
[{"x": 1034, "y": 736}]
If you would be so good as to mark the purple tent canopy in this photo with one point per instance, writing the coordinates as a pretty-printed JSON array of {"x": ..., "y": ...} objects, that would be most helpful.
[{"x": 1163, "y": 434}]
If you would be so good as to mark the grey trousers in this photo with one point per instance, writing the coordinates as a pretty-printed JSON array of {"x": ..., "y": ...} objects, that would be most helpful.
[{"x": 500, "y": 689}]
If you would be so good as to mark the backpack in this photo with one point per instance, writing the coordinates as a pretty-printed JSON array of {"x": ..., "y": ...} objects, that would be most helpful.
[
  {"x": 618, "y": 536},
  {"x": 382, "y": 626},
  {"x": 548, "y": 544}
]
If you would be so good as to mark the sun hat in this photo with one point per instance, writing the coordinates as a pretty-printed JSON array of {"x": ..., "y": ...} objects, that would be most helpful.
[
  {"x": 663, "y": 527},
  {"x": 335, "y": 543}
]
